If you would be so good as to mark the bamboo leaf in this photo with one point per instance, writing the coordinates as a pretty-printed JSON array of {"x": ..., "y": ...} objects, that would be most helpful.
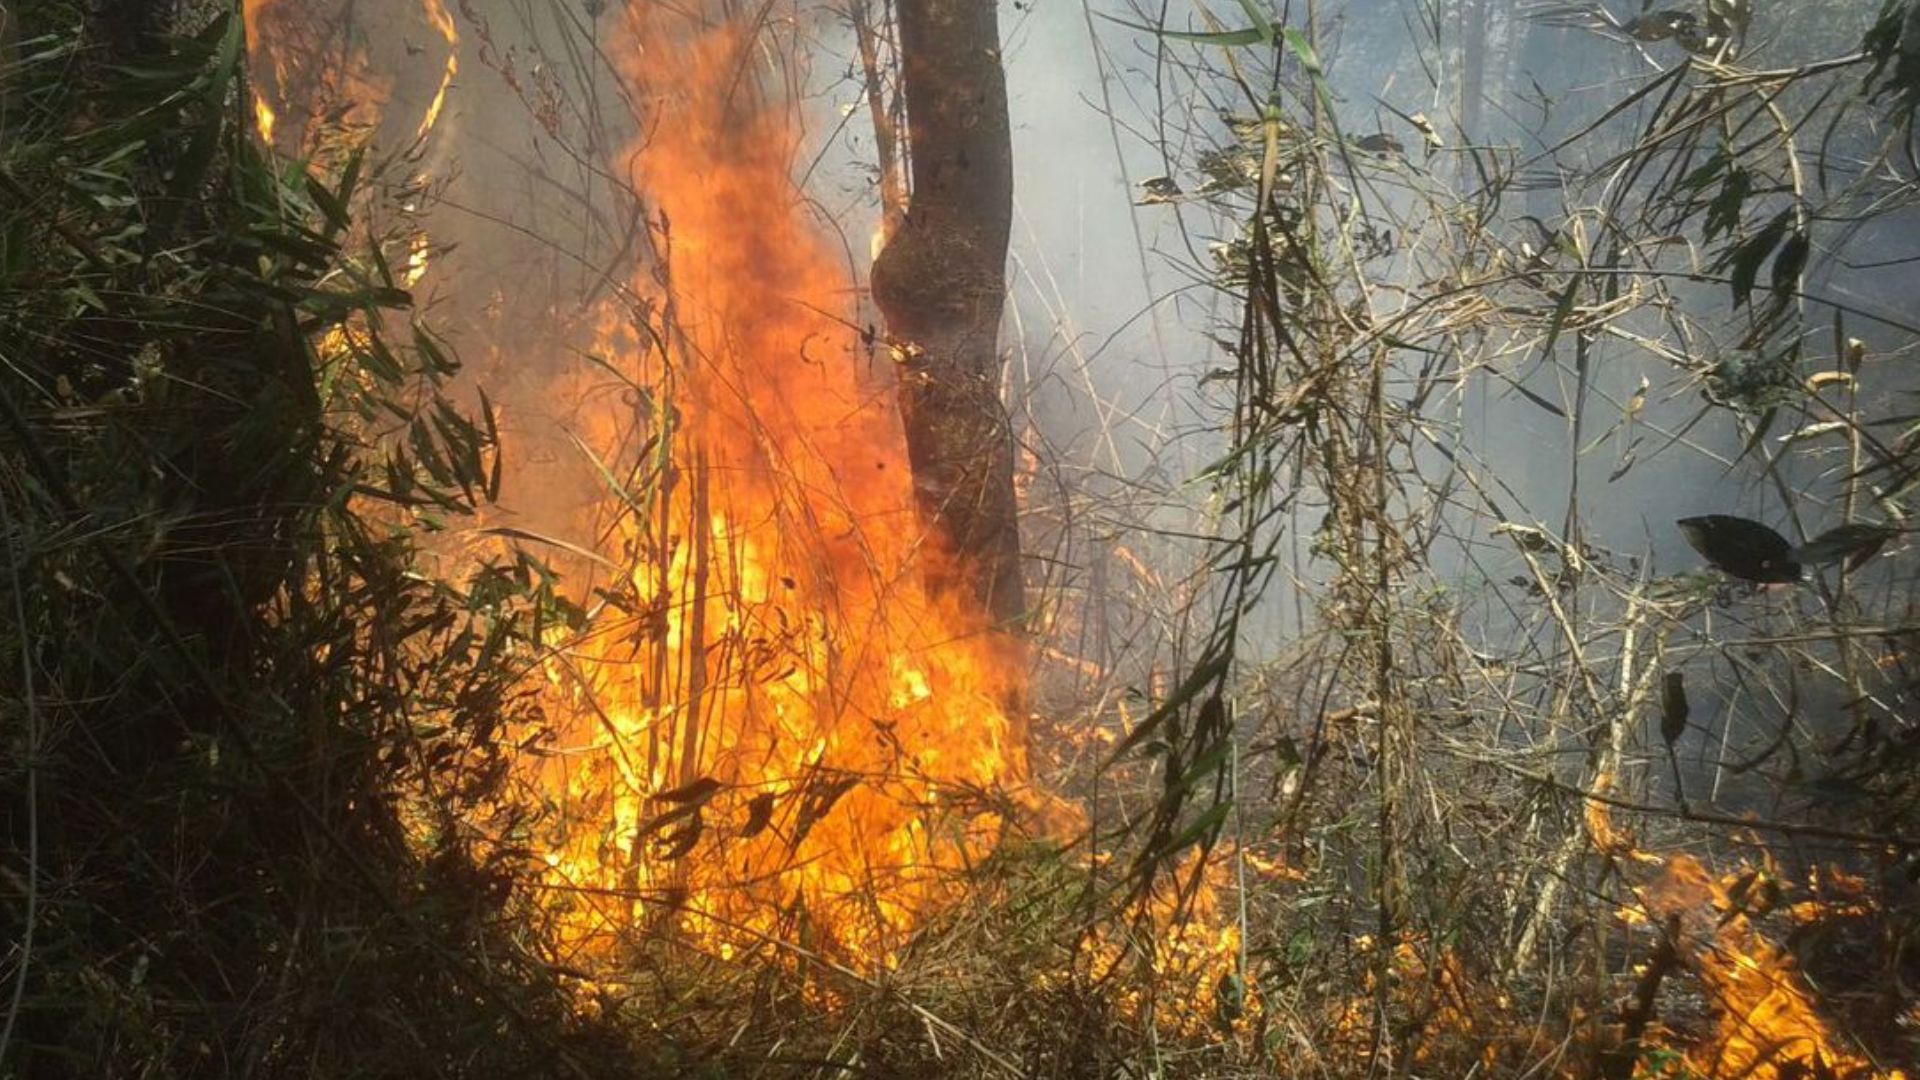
[
  {"x": 1561, "y": 311},
  {"x": 1202, "y": 676},
  {"x": 1259, "y": 17},
  {"x": 1788, "y": 266},
  {"x": 1298, "y": 44},
  {"x": 1225, "y": 38},
  {"x": 1746, "y": 257}
]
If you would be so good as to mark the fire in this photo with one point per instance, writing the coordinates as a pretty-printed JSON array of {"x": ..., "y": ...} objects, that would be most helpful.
[
  {"x": 264, "y": 117},
  {"x": 773, "y": 730},
  {"x": 264, "y": 120},
  {"x": 1767, "y": 1023},
  {"x": 443, "y": 23},
  {"x": 419, "y": 258},
  {"x": 314, "y": 77}
]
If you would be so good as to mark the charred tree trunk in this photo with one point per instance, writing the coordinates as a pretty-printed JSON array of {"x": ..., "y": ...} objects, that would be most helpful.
[{"x": 940, "y": 282}]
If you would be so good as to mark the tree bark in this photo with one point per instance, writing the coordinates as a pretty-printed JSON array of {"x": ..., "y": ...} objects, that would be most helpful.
[
  {"x": 940, "y": 284},
  {"x": 1473, "y": 73},
  {"x": 9, "y": 60}
]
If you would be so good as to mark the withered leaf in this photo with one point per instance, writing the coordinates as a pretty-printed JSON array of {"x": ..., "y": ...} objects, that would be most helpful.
[
  {"x": 1742, "y": 547},
  {"x": 657, "y": 822},
  {"x": 1674, "y": 708},
  {"x": 1380, "y": 143},
  {"x": 1660, "y": 25},
  {"x": 677, "y": 843},
  {"x": 1854, "y": 543},
  {"x": 699, "y": 791},
  {"x": 819, "y": 798},
  {"x": 759, "y": 815}
]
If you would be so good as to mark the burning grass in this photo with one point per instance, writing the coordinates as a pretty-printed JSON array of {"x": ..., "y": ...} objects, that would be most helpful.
[
  {"x": 780, "y": 810},
  {"x": 770, "y": 720}
]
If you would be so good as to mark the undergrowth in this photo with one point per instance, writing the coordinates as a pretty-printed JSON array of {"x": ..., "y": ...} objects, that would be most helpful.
[{"x": 239, "y": 730}]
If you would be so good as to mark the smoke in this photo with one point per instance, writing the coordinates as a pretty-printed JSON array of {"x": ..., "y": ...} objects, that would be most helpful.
[{"x": 1116, "y": 312}]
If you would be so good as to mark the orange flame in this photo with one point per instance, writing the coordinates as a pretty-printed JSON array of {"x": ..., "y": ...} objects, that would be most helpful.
[
  {"x": 774, "y": 729},
  {"x": 312, "y": 73},
  {"x": 1767, "y": 1024}
]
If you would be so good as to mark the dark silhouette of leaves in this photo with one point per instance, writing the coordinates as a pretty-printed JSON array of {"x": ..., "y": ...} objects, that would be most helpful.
[
  {"x": 759, "y": 815},
  {"x": 1674, "y": 709},
  {"x": 1742, "y": 547},
  {"x": 1854, "y": 543}
]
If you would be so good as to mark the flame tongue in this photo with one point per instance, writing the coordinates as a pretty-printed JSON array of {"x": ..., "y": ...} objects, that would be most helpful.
[
  {"x": 1766, "y": 1022},
  {"x": 442, "y": 23},
  {"x": 784, "y": 730},
  {"x": 312, "y": 70}
]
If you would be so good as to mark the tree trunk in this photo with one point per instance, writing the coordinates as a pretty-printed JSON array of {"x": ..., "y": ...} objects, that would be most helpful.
[
  {"x": 940, "y": 282},
  {"x": 1473, "y": 73},
  {"x": 9, "y": 46}
]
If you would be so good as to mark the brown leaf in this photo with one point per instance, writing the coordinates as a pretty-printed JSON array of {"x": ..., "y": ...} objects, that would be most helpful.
[{"x": 759, "y": 816}]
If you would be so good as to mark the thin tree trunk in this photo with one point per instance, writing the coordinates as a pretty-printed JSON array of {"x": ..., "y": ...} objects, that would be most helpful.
[
  {"x": 9, "y": 45},
  {"x": 1473, "y": 73},
  {"x": 940, "y": 283},
  {"x": 886, "y": 129}
]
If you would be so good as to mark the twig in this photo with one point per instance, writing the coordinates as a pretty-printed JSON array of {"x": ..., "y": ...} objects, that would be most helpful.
[{"x": 30, "y": 703}]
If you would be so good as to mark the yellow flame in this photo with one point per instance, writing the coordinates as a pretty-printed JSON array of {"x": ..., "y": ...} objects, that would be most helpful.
[
  {"x": 419, "y": 251},
  {"x": 777, "y": 730},
  {"x": 1767, "y": 1023},
  {"x": 443, "y": 22},
  {"x": 264, "y": 119}
]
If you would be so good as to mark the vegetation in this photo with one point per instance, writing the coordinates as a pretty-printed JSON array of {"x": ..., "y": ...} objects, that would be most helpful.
[
  {"x": 242, "y": 732},
  {"x": 310, "y": 768},
  {"x": 1505, "y": 684}
]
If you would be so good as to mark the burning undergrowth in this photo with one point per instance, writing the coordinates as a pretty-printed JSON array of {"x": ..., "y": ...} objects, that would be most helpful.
[
  {"x": 770, "y": 730},
  {"x": 780, "y": 782}
]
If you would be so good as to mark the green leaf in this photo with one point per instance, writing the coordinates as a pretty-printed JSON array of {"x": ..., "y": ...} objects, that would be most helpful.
[
  {"x": 1561, "y": 311},
  {"x": 1202, "y": 676},
  {"x": 1298, "y": 44},
  {"x": 1204, "y": 767},
  {"x": 1203, "y": 828},
  {"x": 332, "y": 205},
  {"x": 493, "y": 443},
  {"x": 438, "y": 360},
  {"x": 1723, "y": 213},
  {"x": 1224, "y": 38},
  {"x": 1759, "y": 436},
  {"x": 1259, "y": 17},
  {"x": 190, "y": 169}
]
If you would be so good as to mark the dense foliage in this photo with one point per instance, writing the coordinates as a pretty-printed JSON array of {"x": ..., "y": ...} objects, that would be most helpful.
[
  {"x": 263, "y": 762},
  {"x": 239, "y": 728}
]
